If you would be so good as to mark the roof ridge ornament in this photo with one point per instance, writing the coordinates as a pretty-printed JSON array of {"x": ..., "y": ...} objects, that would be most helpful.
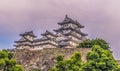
[
  {"x": 47, "y": 31},
  {"x": 66, "y": 16}
]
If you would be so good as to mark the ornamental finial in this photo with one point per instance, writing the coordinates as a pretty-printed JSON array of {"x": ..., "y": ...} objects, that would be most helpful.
[{"x": 66, "y": 15}]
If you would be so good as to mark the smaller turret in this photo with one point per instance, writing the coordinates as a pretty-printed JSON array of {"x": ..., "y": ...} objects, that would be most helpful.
[
  {"x": 48, "y": 40},
  {"x": 25, "y": 41}
]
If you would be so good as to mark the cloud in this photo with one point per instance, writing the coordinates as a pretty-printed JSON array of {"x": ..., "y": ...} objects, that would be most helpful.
[{"x": 100, "y": 18}]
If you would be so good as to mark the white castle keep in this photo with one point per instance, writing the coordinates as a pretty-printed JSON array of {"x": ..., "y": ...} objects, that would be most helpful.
[{"x": 69, "y": 35}]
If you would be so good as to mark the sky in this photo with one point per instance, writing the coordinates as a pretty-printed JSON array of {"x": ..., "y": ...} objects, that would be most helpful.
[{"x": 101, "y": 18}]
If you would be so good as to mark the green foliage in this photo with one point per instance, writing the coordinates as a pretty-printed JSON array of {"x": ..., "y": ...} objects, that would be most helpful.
[
  {"x": 7, "y": 63},
  {"x": 18, "y": 68},
  {"x": 100, "y": 59},
  {"x": 35, "y": 70},
  {"x": 53, "y": 69},
  {"x": 59, "y": 58},
  {"x": 73, "y": 64},
  {"x": 118, "y": 68},
  {"x": 90, "y": 43}
]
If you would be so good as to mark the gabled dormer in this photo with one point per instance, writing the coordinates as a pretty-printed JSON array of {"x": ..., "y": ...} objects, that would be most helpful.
[
  {"x": 48, "y": 34},
  {"x": 25, "y": 41},
  {"x": 28, "y": 36}
]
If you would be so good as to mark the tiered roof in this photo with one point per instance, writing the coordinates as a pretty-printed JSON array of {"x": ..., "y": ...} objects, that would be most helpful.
[
  {"x": 30, "y": 33},
  {"x": 48, "y": 33},
  {"x": 46, "y": 38},
  {"x": 72, "y": 29},
  {"x": 69, "y": 20},
  {"x": 24, "y": 41}
]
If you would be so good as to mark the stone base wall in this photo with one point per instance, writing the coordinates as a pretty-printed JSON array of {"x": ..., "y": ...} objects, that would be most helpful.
[{"x": 45, "y": 58}]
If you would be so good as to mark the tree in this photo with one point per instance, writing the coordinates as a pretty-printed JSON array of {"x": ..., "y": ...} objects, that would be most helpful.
[
  {"x": 7, "y": 63},
  {"x": 90, "y": 43},
  {"x": 100, "y": 59},
  {"x": 72, "y": 64},
  {"x": 35, "y": 70}
]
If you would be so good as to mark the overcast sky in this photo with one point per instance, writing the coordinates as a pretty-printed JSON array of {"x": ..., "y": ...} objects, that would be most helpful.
[{"x": 101, "y": 18}]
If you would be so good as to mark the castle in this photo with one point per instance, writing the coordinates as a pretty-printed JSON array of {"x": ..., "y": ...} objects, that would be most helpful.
[
  {"x": 69, "y": 35},
  {"x": 40, "y": 53}
]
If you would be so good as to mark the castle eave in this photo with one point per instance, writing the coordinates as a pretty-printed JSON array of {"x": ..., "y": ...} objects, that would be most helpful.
[
  {"x": 42, "y": 40},
  {"x": 48, "y": 33},
  {"x": 23, "y": 45},
  {"x": 43, "y": 44}
]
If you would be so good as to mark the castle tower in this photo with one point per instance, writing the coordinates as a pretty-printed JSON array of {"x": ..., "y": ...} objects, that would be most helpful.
[
  {"x": 69, "y": 34},
  {"x": 48, "y": 40},
  {"x": 25, "y": 41}
]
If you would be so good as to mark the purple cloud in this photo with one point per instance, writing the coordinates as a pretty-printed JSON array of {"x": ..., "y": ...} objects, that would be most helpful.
[{"x": 100, "y": 18}]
